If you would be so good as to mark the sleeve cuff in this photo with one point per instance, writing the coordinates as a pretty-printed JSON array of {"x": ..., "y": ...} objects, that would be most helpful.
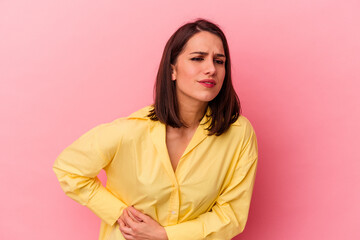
[
  {"x": 106, "y": 206},
  {"x": 186, "y": 230}
]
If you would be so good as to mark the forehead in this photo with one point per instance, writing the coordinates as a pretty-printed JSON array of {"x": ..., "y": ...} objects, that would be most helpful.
[{"x": 205, "y": 42}]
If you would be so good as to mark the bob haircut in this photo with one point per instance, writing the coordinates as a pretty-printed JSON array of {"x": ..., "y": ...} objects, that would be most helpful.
[{"x": 225, "y": 107}]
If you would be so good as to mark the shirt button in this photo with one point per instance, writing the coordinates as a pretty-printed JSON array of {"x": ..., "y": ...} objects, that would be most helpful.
[{"x": 173, "y": 212}]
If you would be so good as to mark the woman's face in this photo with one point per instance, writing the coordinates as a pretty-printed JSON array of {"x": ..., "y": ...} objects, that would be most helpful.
[{"x": 199, "y": 70}]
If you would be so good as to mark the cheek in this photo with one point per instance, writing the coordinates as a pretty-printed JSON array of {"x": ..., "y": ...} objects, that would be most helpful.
[
  {"x": 220, "y": 77},
  {"x": 188, "y": 70},
  {"x": 222, "y": 71}
]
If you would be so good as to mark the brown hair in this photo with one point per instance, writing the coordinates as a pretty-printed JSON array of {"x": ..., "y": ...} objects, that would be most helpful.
[{"x": 225, "y": 107}]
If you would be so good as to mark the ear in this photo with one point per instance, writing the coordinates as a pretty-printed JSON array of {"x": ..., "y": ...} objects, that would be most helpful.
[{"x": 173, "y": 72}]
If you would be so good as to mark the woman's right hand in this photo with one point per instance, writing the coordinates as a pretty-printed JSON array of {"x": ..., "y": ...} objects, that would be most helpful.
[{"x": 135, "y": 225}]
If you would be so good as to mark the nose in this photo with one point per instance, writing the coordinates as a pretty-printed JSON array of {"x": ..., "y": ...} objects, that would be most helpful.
[{"x": 210, "y": 68}]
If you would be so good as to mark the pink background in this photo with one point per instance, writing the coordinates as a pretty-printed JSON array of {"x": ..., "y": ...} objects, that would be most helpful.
[{"x": 66, "y": 66}]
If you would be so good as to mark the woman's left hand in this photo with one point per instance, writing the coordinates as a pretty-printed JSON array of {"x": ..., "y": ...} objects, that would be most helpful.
[{"x": 134, "y": 225}]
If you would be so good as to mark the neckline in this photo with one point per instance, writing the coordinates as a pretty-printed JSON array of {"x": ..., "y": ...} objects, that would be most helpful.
[{"x": 158, "y": 135}]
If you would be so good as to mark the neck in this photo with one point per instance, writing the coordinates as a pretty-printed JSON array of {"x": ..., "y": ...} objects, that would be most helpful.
[{"x": 192, "y": 114}]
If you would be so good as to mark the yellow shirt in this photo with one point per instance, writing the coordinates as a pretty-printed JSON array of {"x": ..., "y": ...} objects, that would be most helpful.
[{"x": 207, "y": 197}]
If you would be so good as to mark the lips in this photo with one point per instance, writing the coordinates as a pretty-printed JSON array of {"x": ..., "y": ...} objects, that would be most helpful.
[{"x": 209, "y": 83}]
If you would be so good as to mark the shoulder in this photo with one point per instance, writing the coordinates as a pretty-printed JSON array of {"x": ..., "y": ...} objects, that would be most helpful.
[
  {"x": 242, "y": 123},
  {"x": 136, "y": 120},
  {"x": 123, "y": 123},
  {"x": 141, "y": 113},
  {"x": 241, "y": 130},
  {"x": 244, "y": 137}
]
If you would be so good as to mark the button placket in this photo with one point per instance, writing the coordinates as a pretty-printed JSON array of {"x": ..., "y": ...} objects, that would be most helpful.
[{"x": 174, "y": 206}]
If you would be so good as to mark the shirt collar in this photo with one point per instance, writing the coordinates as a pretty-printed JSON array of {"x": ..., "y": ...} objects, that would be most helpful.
[{"x": 143, "y": 112}]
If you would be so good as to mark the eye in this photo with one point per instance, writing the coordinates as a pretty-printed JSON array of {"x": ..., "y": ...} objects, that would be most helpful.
[
  {"x": 197, "y": 59},
  {"x": 219, "y": 62}
]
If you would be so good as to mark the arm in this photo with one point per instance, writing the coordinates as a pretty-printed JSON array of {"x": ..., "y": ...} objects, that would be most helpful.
[
  {"x": 228, "y": 216},
  {"x": 77, "y": 168}
]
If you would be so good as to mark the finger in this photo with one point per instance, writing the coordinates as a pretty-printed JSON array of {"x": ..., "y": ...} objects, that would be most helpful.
[
  {"x": 136, "y": 213},
  {"x": 129, "y": 220},
  {"x": 136, "y": 219},
  {"x": 127, "y": 236},
  {"x": 122, "y": 217},
  {"x": 123, "y": 225},
  {"x": 126, "y": 231}
]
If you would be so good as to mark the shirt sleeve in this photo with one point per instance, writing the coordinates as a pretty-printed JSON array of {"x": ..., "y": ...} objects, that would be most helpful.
[
  {"x": 228, "y": 216},
  {"x": 78, "y": 165}
]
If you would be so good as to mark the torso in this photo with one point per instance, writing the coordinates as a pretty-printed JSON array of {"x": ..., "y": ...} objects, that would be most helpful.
[{"x": 176, "y": 141}]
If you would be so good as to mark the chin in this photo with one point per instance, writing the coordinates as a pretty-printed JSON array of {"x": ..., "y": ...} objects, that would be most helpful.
[{"x": 207, "y": 98}]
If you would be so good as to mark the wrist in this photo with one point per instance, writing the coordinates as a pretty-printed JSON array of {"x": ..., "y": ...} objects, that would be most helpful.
[{"x": 163, "y": 234}]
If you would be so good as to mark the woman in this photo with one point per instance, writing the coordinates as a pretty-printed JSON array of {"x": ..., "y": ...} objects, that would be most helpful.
[{"x": 182, "y": 168}]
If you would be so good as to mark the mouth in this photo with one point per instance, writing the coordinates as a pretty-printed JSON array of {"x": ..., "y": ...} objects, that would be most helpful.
[{"x": 209, "y": 83}]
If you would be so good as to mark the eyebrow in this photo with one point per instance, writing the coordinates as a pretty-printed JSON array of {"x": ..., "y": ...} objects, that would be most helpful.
[{"x": 205, "y": 53}]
